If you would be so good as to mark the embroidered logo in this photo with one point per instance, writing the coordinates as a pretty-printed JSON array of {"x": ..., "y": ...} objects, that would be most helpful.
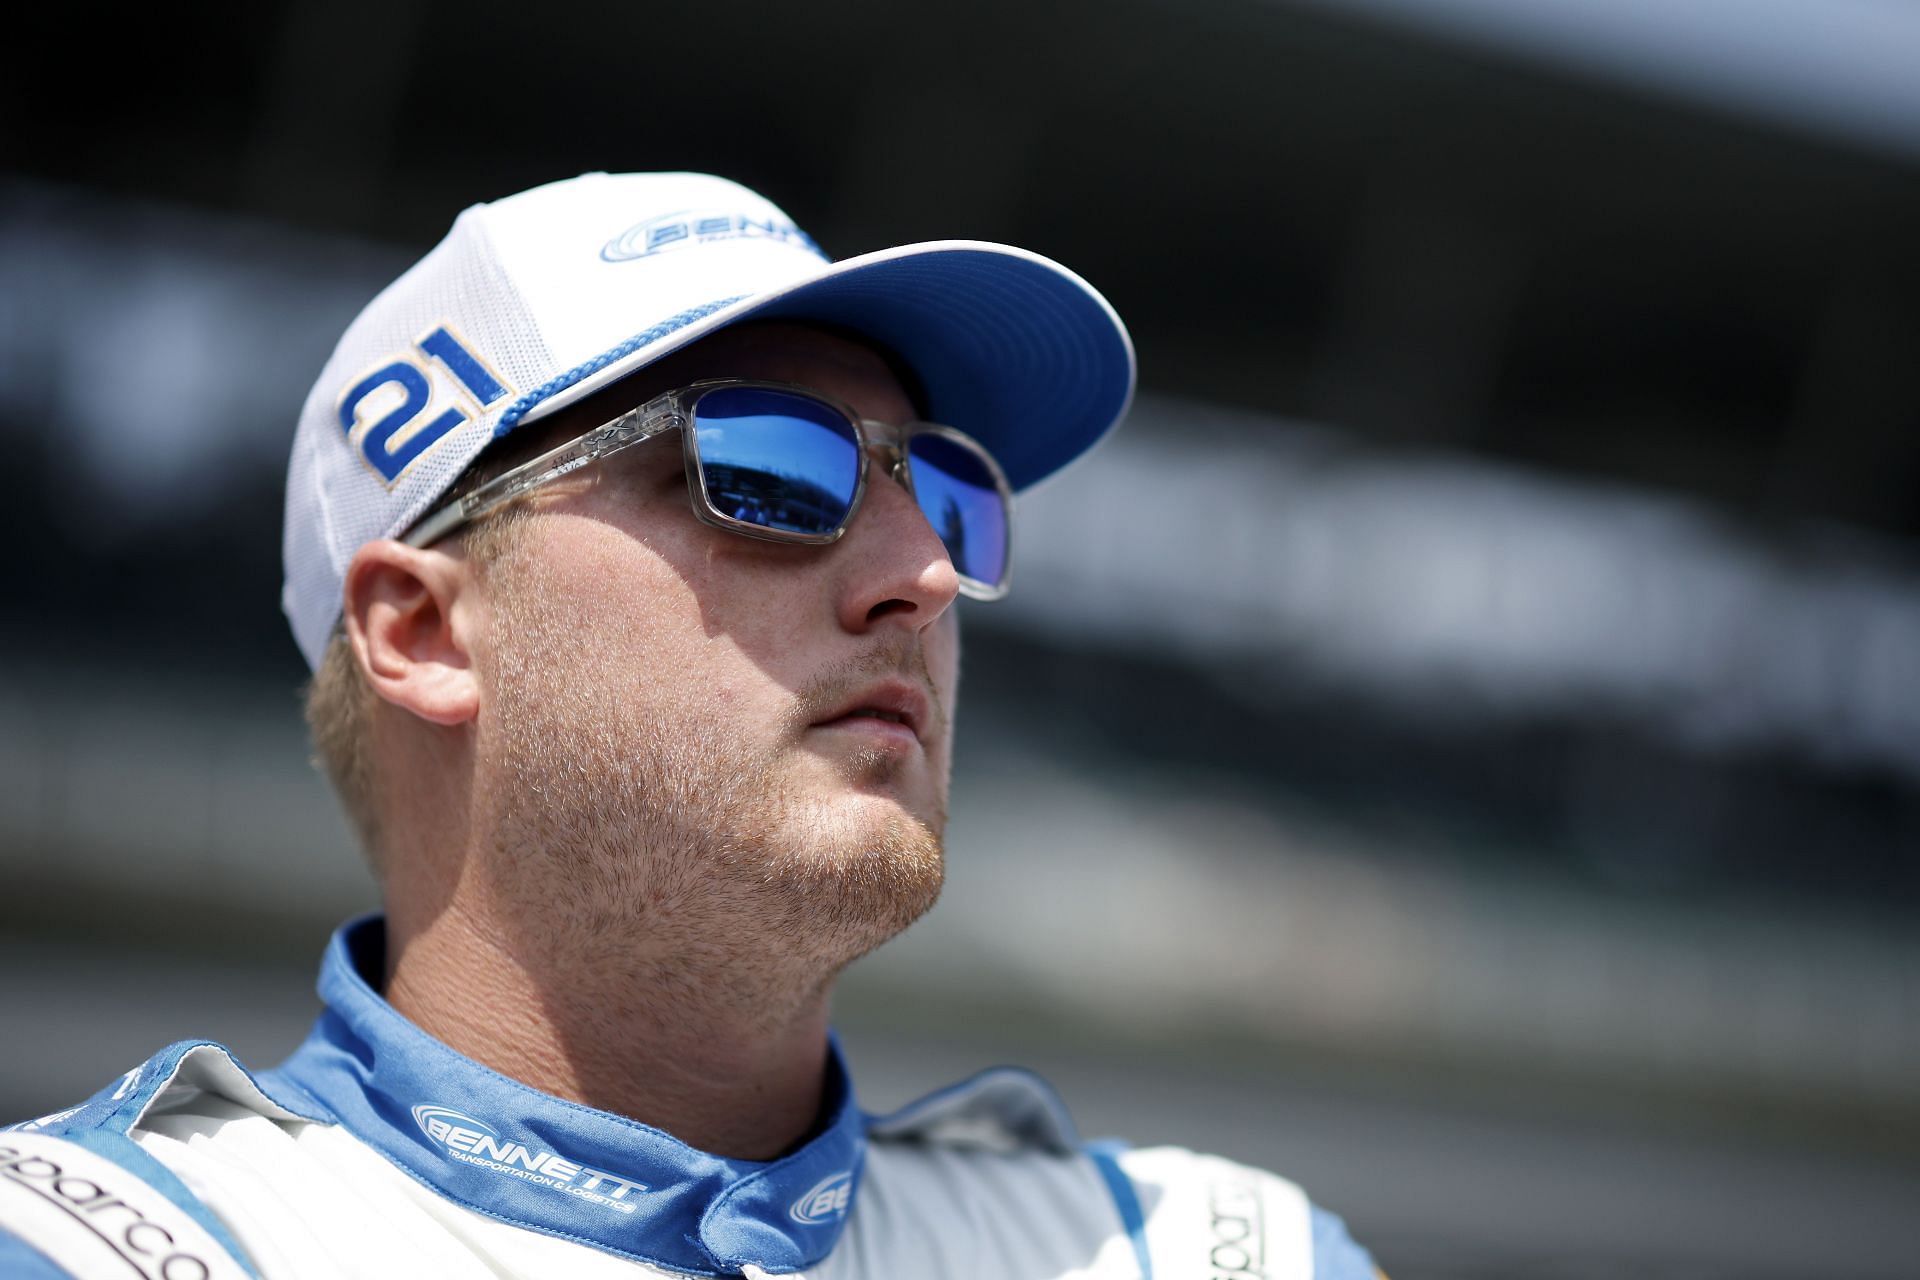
[
  {"x": 477, "y": 1143},
  {"x": 826, "y": 1200},
  {"x": 669, "y": 230},
  {"x": 1239, "y": 1230}
]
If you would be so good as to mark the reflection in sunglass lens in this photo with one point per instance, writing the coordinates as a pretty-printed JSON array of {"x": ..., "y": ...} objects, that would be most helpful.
[
  {"x": 955, "y": 489},
  {"x": 776, "y": 460}
]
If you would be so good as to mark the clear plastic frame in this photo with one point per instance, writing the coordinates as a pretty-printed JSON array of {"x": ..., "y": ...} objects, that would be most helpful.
[{"x": 678, "y": 410}]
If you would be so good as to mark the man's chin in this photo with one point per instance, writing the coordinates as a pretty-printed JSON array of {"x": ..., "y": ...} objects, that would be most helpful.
[{"x": 858, "y": 878}]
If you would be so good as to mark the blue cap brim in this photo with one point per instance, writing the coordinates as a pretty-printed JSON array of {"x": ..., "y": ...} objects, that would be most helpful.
[{"x": 1010, "y": 347}]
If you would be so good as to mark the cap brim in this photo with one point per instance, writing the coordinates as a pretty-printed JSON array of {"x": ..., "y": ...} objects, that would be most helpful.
[{"x": 1010, "y": 347}]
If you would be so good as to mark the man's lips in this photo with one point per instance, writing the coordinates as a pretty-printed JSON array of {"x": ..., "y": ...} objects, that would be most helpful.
[{"x": 888, "y": 702}]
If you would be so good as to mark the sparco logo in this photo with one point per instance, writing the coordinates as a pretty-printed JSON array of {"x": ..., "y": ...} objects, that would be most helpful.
[
  {"x": 826, "y": 1200},
  {"x": 644, "y": 239},
  {"x": 146, "y": 1246},
  {"x": 1239, "y": 1231},
  {"x": 478, "y": 1143}
]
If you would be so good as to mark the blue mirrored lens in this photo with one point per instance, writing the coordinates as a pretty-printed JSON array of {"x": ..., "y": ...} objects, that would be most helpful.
[
  {"x": 956, "y": 490},
  {"x": 777, "y": 460}
]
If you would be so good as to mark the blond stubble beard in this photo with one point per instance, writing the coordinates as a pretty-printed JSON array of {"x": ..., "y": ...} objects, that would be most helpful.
[{"x": 625, "y": 824}]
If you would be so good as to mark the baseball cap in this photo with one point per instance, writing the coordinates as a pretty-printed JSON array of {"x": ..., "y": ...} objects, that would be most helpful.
[{"x": 542, "y": 298}]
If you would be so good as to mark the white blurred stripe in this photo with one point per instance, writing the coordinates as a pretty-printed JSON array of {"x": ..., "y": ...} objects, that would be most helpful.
[{"x": 1472, "y": 589}]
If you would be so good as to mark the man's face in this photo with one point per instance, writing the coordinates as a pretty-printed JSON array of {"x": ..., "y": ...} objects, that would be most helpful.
[{"x": 678, "y": 722}]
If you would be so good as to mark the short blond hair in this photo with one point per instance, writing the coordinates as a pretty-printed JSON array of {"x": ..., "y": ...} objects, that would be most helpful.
[
  {"x": 339, "y": 712},
  {"x": 341, "y": 705}
]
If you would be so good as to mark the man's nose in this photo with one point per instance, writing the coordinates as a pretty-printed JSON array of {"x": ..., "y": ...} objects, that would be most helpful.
[{"x": 894, "y": 564}]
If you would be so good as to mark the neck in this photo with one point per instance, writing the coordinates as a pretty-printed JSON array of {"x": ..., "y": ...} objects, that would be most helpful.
[{"x": 725, "y": 1055}]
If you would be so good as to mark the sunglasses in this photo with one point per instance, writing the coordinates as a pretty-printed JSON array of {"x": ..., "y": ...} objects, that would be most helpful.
[{"x": 787, "y": 464}]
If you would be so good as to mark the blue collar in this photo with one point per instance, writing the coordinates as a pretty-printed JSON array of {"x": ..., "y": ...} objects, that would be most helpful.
[{"x": 525, "y": 1157}]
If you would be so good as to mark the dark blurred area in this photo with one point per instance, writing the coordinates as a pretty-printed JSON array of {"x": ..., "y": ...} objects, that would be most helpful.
[{"x": 1459, "y": 744}]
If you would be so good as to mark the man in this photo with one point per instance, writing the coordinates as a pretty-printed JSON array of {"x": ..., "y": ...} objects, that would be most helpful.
[{"x": 625, "y": 558}]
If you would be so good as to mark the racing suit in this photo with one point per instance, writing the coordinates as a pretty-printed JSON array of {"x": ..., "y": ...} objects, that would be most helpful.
[{"x": 375, "y": 1150}]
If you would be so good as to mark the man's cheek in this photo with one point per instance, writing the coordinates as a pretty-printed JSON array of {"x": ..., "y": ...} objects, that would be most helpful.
[{"x": 943, "y": 658}]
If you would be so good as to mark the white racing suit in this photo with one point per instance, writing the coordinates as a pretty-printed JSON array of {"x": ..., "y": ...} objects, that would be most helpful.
[{"x": 377, "y": 1151}]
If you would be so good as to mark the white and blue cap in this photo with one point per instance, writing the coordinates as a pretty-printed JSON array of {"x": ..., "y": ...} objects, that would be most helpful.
[{"x": 540, "y": 299}]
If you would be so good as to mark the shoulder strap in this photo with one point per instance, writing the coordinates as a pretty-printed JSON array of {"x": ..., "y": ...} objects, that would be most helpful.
[
  {"x": 85, "y": 1212},
  {"x": 1106, "y": 1155},
  {"x": 78, "y": 1188}
]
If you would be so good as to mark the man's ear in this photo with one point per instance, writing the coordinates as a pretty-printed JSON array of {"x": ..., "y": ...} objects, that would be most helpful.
[{"x": 409, "y": 614}]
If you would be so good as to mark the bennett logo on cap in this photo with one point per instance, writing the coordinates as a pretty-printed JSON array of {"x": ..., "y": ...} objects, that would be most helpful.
[
  {"x": 671, "y": 229},
  {"x": 528, "y": 306}
]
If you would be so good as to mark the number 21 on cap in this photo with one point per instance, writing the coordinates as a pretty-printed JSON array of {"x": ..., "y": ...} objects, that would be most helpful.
[{"x": 392, "y": 440}]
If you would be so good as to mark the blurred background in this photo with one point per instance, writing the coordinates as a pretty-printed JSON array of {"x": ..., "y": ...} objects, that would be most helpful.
[{"x": 1458, "y": 746}]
